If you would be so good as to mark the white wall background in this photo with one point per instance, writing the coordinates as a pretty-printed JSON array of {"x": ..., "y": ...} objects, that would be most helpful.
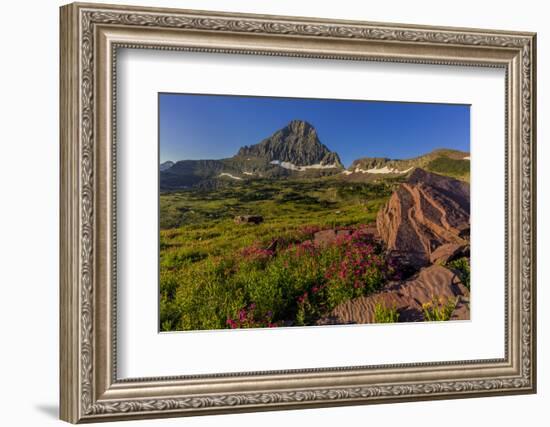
[{"x": 29, "y": 170}]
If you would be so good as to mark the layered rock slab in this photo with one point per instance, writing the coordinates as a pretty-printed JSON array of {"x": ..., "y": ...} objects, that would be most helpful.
[
  {"x": 407, "y": 297},
  {"x": 424, "y": 213}
]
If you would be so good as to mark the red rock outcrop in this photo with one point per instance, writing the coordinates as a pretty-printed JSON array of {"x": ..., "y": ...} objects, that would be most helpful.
[
  {"x": 424, "y": 213},
  {"x": 407, "y": 297},
  {"x": 449, "y": 252},
  {"x": 331, "y": 235},
  {"x": 327, "y": 237}
]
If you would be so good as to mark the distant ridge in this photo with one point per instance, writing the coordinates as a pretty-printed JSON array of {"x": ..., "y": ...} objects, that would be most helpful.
[
  {"x": 449, "y": 162},
  {"x": 296, "y": 151},
  {"x": 166, "y": 165}
]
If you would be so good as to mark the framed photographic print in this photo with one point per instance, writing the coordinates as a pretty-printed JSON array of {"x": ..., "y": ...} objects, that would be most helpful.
[{"x": 265, "y": 212}]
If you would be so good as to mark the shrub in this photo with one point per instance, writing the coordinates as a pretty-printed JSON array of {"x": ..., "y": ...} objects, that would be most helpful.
[
  {"x": 248, "y": 317},
  {"x": 383, "y": 314},
  {"x": 462, "y": 268},
  {"x": 438, "y": 310}
]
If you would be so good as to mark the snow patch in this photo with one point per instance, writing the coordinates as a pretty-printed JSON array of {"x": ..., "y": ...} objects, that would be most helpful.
[
  {"x": 291, "y": 166},
  {"x": 346, "y": 172},
  {"x": 466, "y": 158},
  {"x": 384, "y": 170},
  {"x": 248, "y": 173},
  {"x": 230, "y": 176}
]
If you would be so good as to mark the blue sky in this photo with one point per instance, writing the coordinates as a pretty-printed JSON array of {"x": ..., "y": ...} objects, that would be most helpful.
[{"x": 215, "y": 127}]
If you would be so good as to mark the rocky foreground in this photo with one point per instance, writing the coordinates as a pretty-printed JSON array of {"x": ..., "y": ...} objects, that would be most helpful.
[
  {"x": 408, "y": 298},
  {"x": 424, "y": 226}
]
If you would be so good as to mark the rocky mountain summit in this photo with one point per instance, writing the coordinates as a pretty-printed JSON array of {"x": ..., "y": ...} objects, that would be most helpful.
[
  {"x": 294, "y": 150},
  {"x": 297, "y": 144}
]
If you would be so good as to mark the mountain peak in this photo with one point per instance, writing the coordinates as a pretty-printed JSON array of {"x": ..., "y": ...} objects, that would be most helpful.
[
  {"x": 296, "y": 143},
  {"x": 300, "y": 127}
]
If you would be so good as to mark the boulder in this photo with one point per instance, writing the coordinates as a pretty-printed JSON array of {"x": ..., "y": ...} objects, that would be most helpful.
[
  {"x": 330, "y": 236},
  {"x": 248, "y": 219},
  {"x": 327, "y": 237},
  {"x": 407, "y": 297},
  {"x": 424, "y": 213}
]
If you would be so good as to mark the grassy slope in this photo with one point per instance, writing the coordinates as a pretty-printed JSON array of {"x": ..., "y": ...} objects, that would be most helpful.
[
  {"x": 455, "y": 168},
  {"x": 198, "y": 235},
  {"x": 205, "y": 218}
]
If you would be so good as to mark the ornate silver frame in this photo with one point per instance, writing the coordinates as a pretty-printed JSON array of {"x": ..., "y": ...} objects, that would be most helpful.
[{"x": 90, "y": 36}]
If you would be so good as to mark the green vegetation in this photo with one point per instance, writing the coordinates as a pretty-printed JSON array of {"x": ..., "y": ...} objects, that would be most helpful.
[
  {"x": 325, "y": 200},
  {"x": 218, "y": 274},
  {"x": 383, "y": 314},
  {"x": 438, "y": 310},
  {"x": 456, "y": 168},
  {"x": 462, "y": 267}
]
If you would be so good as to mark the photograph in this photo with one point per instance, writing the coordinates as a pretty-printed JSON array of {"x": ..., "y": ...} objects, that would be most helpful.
[{"x": 279, "y": 212}]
